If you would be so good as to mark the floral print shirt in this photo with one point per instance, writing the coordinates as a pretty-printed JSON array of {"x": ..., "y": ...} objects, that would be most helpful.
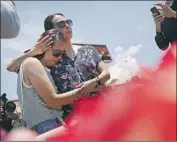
[{"x": 68, "y": 73}]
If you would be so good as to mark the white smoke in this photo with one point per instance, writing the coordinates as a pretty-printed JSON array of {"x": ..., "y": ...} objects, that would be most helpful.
[{"x": 125, "y": 66}]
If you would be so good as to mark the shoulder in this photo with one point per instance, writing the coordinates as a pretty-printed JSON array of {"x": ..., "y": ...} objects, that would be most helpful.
[
  {"x": 31, "y": 62},
  {"x": 88, "y": 48}
]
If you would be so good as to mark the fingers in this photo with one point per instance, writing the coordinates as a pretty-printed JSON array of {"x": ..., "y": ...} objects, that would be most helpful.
[
  {"x": 80, "y": 85},
  {"x": 158, "y": 18},
  {"x": 48, "y": 40},
  {"x": 39, "y": 38},
  {"x": 160, "y": 4},
  {"x": 45, "y": 42},
  {"x": 99, "y": 88},
  {"x": 44, "y": 38},
  {"x": 81, "y": 91},
  {"x": 160, "y": 10},
  {"x": 155, "y": 15}
]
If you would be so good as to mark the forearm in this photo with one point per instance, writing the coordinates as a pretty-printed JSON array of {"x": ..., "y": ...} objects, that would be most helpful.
[
  {"x": 161, "y": 41},
  {"x": 15, "y": 64},
  {"x": 64, "y": 99},
  {"x": 103, "y": 77}
]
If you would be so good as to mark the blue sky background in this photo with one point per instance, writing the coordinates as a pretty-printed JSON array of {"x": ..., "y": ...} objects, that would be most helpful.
[{"x": 121, "y": 25}]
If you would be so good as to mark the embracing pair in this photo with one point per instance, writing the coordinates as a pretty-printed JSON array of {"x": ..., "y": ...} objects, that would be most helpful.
[{"x": 54, "y": 73}]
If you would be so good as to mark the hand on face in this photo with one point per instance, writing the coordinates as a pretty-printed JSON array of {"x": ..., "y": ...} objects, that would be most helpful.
[{"x": 43, "y": 44}]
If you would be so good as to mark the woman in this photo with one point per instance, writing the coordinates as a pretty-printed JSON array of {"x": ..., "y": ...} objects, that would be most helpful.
[
  {"x": 166, "y": 26},
  {"x": 40, "y": 104},
  {"x": 78, "y": 65}
]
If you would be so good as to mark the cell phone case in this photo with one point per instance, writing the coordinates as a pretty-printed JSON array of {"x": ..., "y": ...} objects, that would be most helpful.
[{"x": 154, "y": 10}]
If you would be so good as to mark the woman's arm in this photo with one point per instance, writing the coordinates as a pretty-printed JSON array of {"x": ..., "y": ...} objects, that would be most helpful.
[
  {"x": 104, "y": 73},
  {"x": 43, "y": 44},
  {"x": 161, "y": 41},
  {"x": 14, "y": 65},
  {"x": 35, "y": 72},
  {"x": 95, "y": 84}
]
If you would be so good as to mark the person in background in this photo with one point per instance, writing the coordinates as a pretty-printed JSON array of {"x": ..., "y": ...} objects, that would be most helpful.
[
  {"x": 10, "y": 22},
  {"x": 166, "y": 25},
  {"x": 79, "y": 66}
]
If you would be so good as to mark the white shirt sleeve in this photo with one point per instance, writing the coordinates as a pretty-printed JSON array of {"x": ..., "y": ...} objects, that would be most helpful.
[{"x": 10, "y": 22}]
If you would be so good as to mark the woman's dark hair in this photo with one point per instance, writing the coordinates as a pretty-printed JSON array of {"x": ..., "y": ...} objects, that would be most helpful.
[
  {"x": 48, "y": 24},
  {"x": 39, "y": 57}
]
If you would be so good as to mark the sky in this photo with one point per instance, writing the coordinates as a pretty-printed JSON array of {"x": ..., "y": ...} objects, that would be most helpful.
[{"x": 126, "y": 27}]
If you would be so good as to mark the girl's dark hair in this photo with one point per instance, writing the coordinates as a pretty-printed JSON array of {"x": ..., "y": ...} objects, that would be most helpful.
[
  {"x": 48, "y": 24},
  {"x": 39, "y": 57}
]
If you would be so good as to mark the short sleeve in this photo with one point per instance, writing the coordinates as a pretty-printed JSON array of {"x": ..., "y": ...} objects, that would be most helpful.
[{"x": 95, "y": 55}]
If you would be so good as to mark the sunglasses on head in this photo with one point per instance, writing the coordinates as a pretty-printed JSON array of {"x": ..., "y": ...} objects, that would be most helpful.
[
  {"x": 62, "y": 24},
  {"x": 57, "y": 53}
]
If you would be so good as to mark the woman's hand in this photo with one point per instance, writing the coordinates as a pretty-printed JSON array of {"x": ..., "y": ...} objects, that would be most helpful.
[
  {"x": 167, "y": 11},
  {"x": 89, "y": 87},
  {"x": 42, "y": 45},
  {"x": 158, "y": 19}
]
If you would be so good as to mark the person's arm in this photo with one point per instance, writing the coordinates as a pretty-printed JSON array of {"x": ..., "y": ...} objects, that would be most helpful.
[
  {"x": 104, "y": 75},
  {"x": 10, "y": 22},
  {"x": 98, "y": 82},
  {"x": 161, "y": 41},
  {"x": 14, "y": 65},
  {"x": 43, "y": 44},
  {"x": 35, "y": 72},
  {"x": 101, "y": 67}
]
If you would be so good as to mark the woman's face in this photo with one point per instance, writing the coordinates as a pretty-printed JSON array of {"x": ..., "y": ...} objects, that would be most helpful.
[
  {"x": 52, "y": 56},
  {"x": 66, "y": 30}
]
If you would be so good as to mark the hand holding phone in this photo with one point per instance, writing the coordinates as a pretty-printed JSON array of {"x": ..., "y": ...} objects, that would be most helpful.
[
  {"x": 155, "y": 10},
  {"x": 158, "y": 18}
]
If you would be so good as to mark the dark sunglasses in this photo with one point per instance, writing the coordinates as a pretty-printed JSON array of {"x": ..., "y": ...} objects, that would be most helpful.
[
  {"x": 62, "y": 24},
  {"x": 57, "y": 53}
]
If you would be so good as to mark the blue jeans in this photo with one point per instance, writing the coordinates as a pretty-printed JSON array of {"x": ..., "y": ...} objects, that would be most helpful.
[{"x": 46, "y": 126}]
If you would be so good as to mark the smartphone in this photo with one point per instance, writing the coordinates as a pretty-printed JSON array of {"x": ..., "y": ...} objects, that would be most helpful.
[{"x": 155, "y": 10}]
